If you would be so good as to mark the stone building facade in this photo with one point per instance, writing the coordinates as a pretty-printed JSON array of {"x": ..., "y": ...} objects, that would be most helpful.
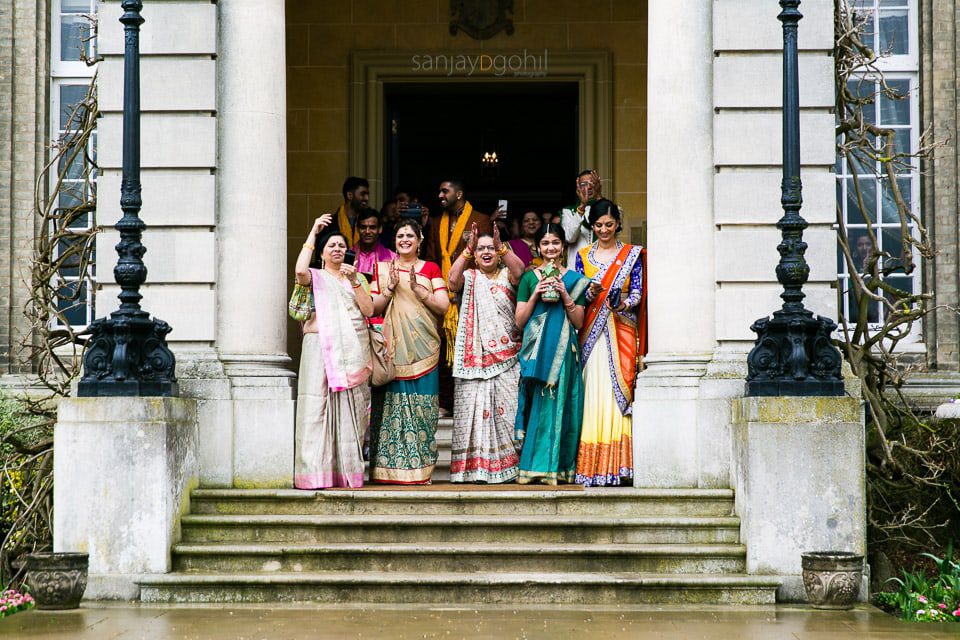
[{"x": 254, "y": 111}]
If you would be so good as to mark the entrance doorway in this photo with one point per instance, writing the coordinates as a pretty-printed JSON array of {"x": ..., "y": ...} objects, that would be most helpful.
[{"x": 513, "y": 141}]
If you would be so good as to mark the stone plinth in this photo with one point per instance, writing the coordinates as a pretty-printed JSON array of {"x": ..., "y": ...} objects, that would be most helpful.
[
  {"x": 800, "y": 483},
  {"x": 123, "y": 472}
]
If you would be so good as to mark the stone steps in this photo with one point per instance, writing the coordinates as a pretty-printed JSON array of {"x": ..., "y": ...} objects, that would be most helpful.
[
  {"x": 490, "y": 587},
  {"x": 433, "y": 528},
  {"x": 461, "y": 545},
  {"x": 458, "y": 500},
  {"x": 460, "y": 557}
]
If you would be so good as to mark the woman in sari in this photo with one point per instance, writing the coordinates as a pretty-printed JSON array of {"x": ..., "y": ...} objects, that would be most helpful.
[
  {"x": 609, "y": 343},
  {"x": 485, "y": 361},
  {"x": 550, "y": 303},
  {"x": 525, "y": 246},
  {"x": 411, "y": 295},
  {"x": 333, "y": 397}
]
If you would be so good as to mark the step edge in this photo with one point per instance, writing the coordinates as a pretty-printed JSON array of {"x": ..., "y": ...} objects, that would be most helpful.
[
  {"x": 668, "y": 550},
  {"x": 699, "y": 580}
]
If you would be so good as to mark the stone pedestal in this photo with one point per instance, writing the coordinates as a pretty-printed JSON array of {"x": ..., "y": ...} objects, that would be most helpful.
[
  {"x": 123, "y": 472},
  {"x": 800, "y": 483}
]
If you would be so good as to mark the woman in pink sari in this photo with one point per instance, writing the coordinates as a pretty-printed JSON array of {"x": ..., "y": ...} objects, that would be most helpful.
[
  {"x": 333, "y": 397},
  {"x": 485, "y": 361}
]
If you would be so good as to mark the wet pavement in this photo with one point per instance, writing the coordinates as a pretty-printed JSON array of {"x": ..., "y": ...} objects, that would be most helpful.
[{"x": 214, "y": 622}]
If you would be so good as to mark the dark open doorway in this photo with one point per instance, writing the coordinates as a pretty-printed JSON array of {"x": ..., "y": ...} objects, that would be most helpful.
[{"x": 443, "y": 129}]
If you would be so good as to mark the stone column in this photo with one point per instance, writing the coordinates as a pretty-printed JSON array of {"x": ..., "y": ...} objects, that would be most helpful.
[
  {"x": 680, "y": 271},
  {"x": 252, "y": 280}
]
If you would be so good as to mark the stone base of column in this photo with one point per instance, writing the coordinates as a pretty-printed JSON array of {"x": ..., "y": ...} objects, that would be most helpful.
[
  {"x": 665, "y": 416},
  {"x": 262, "y": 399},
  {"x": 123, "y": 473},
  {"x": 800, "y": 483}
]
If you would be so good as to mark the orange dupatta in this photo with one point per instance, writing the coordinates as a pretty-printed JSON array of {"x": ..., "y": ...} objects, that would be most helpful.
[
  {"x": 631, "y": 338},
  {"x": 349, "y": 231},
  {"x": 449, "y": 242}
]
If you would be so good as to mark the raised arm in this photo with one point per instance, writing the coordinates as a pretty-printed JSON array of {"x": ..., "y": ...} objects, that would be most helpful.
[
  {"x": 302, "y": 268},
  {"x": 513, "y": 263},
  {"x": 455, "y": 278}
]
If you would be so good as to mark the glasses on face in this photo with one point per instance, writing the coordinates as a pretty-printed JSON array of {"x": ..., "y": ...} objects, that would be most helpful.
[{"x": 486, "y": 247}]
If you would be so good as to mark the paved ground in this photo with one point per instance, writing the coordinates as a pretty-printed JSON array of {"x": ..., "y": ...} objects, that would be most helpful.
[{"x": 275, "y": 623}]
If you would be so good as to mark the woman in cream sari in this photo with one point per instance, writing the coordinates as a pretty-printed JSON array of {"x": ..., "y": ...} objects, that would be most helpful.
[
  {"x": 333, "y": 397},
  {"x": 412, "y": 296},
  {"x": 485, "y": 361}
]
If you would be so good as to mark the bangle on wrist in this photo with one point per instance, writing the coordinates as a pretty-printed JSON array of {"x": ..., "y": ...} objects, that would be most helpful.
[
  {"x": 307, "y": 245},
  {"x": 503, "y": 249},
  {"x": 466, "y": 254},
  {"x": 355, "y": 284}
]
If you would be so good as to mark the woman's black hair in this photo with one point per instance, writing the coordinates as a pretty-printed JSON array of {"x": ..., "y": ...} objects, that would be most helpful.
[
  {"x": 409, "y": 222},
  {"x": 604, "y": 207},
  {"x": 552, "y": 228},
  {"x": 316, "y": 262}
]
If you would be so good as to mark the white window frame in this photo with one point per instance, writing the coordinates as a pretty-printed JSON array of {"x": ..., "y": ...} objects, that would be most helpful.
[
  {"x": 66, "y": 73},
  {"x": 894, "y": 67}
]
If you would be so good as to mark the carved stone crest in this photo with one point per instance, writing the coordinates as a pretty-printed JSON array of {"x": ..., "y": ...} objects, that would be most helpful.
[{"x": 481, "y": 19}]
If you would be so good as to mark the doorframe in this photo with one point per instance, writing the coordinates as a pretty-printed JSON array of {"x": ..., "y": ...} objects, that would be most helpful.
[{"x": 592, "y": 71}]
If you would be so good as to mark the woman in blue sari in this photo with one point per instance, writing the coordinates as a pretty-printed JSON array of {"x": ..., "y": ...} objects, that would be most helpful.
[{"x": 550, "y": 302}]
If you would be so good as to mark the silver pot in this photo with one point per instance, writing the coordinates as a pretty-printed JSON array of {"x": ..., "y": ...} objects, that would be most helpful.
[
  {"x": 832, "y": 578},
  {"x": 57, "y": 580}
]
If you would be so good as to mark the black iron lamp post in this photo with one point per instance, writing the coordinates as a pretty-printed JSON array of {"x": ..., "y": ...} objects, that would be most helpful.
[
  {"x": 127, "y": 353},
  {"x": 793, "y": 355}
]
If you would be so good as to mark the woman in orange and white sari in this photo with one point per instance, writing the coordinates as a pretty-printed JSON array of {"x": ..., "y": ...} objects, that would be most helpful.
[{"x": 610, "y": 343}]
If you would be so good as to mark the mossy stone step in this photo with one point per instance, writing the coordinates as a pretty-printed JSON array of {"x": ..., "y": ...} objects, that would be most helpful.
[
  {"x": 459, "y": 557},
  {"x": 445, "y": 588}
]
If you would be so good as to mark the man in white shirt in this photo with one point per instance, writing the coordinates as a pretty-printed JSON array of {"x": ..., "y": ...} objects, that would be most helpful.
[{"x": 575, "y": 219}]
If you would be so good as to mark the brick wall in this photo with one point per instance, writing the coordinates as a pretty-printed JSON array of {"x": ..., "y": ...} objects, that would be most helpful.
[
  {"x": 23, "y": 100},
  {"x": 939, "y": 102}
]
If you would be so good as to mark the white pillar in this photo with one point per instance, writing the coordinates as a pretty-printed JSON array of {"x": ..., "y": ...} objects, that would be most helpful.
[
  {"x": 680, "y": 232},
  {"x": 251, "y": 232}
]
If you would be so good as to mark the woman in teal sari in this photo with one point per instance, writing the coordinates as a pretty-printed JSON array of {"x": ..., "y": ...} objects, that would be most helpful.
[{"x": 550, "y": 301}]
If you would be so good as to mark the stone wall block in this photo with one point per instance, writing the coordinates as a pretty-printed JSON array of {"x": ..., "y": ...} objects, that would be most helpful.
[
  {"x": 756, "y": 80},
  {"x": 752, "y": 196},
  {"x": 124, "y": 471},
  {"x": 756, "y": 138},
  {"x": 185, "y": 198},
  {"x": 745, "y": 302},
  {"x": 732, "y": 33},
  {"x": 749, "y": 253},
  {"x": 166, "y": 141},
  {"x": 174, "y": 84},
  {"x": 170, "y": 28},
  {"x": 173, "y": 255},
  {"x": 188, "y": 308}
]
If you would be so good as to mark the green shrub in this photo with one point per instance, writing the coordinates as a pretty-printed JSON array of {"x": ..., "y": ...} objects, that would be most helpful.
[{"x": 922, "y": 598}]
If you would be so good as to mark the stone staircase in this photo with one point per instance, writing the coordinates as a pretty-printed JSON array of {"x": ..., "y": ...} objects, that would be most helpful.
[{"x": 458, "y": 546}]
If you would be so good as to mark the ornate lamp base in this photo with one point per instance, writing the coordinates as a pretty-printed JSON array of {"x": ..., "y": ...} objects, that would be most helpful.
[
  {"x": 794, "y": 356},
  {"x": 127, "y": 355}
]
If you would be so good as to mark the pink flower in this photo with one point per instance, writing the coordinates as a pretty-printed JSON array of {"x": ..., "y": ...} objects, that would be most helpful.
[
  {"x": 922, "y": 599},
  {"x": 942, "y": 605},
  {"x": 957, "y": 612},
  {"x": 3, "y": 608}
]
